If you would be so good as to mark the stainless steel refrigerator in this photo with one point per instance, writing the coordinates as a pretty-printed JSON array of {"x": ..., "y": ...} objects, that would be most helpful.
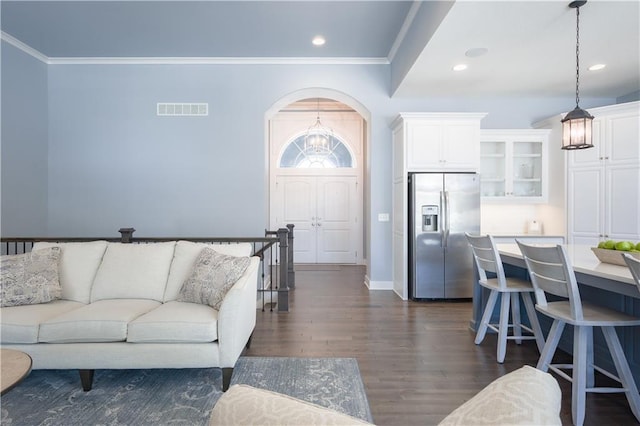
[{"x": 442, "y": 207}]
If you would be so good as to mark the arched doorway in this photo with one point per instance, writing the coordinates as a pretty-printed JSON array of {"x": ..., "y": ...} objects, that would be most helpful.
[{"x": 319, "y": 190}]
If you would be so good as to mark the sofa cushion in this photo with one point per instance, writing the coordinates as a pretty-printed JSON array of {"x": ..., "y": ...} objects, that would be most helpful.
[
  {"x": 101, "y": 321},
  {"x": 78, "y": 266},
  {"x": 133, "y": 271},
  {"x": 30, "y": 278},
  {"x": 246, "y": 405},
  {"x": 526, "y": 396},
  {"x": 185, "y": 257},
  {"x": 175, "y": 322},
  {"x": 212, "y": 277},
  {"x": 20, "y": 324}
]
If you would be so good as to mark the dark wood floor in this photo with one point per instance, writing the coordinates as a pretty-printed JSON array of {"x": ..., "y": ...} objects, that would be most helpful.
[{"x": 418, "y": 360}]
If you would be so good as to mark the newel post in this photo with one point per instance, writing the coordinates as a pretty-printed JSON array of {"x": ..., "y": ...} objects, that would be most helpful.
[
  {"x": 283, "y": 288},
  {"x": 290, "y": 271},
  {"x": 126, "y": 235}
]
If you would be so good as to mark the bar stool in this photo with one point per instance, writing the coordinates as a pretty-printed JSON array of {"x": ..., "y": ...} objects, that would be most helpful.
[
  {"x": 634, "y": 267},
  {"x": 488, "y": 260},
  {"x": 551, "y": 272}
]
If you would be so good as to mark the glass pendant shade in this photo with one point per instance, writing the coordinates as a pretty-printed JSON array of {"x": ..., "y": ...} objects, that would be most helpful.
[{"x": 576, "y": 130}]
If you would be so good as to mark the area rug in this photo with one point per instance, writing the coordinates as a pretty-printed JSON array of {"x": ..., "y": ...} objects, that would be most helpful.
[{"x": 177, "y": 396}]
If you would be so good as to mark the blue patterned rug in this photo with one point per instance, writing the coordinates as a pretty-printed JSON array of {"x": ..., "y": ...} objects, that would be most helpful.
[{"x": 177, "y": 397}]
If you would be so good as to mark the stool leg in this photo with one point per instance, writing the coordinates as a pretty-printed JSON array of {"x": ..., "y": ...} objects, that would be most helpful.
[
  {"x": 579, "y": 377},
  {"x": 550, "y": 346},
  {"x": 533, "y": 320},
  {"x": 515, "y": 315},
  {"x": 503, "y": 328},
  {"x": 591, "y": 381},
  {"x": 624, "y": 372},
  {"x": 486, "y": 317}
]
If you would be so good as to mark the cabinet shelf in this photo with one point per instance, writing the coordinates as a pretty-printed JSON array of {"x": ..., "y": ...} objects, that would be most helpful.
[
  {"x": 527, "y": 155},
  {"x": 527, "y": 180}
]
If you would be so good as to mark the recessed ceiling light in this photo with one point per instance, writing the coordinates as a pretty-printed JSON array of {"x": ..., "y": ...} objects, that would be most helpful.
[
  {"x": 475, "y": 52},
  {"x": 460, "y": 67},
  {"x": 318, "y": 40},
  {"x": 597, "y": 67}
]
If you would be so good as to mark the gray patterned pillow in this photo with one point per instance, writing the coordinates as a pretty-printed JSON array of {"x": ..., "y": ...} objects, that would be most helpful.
[
  {"x": 30, "y": 278},
  {"x": 211, "y": 278}
]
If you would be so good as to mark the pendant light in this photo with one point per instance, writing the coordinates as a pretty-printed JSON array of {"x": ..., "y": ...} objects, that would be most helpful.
[
  {"x": 318, "y": 137},
  {"x": 576, "y": 125}
]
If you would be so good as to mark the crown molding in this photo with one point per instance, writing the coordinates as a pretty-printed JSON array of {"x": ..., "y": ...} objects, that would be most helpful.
[
  {"x": 187, "y": 60},
  {"x": 24, "y": 47}
]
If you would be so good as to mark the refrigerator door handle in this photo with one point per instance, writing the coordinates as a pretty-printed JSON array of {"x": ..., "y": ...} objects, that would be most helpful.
[
  {"x": 446, "y": 218},
  {"x": 443, "y": 215}
]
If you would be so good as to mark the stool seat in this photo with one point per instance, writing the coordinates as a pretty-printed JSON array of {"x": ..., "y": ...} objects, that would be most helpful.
[
  {"x": 593, "y": 315},
  {"x": 512, "y": 285}
]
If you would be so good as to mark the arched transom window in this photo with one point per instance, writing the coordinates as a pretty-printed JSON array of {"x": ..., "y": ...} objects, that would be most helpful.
[{"x": 331, "y": 153}]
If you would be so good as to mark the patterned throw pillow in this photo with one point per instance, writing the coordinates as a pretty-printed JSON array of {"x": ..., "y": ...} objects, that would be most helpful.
[
  {"x": 211, "y": 278},
  {"x": 30, "y": 278}
]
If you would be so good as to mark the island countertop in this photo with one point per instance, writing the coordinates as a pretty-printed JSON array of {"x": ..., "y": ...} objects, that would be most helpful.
[{"x": 589, "y": 270}]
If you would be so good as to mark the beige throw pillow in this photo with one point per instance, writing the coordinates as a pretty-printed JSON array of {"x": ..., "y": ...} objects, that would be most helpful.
[
  {"x": 211, "y": 278},
  {"x": 30, "y": 278}
]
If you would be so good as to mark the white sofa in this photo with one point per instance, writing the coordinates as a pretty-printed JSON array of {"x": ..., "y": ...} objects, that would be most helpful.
[{"x": 119, "y": 311}]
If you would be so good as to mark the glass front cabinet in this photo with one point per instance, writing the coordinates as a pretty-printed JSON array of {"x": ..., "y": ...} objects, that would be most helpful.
[{"x": 513, "y": 165}]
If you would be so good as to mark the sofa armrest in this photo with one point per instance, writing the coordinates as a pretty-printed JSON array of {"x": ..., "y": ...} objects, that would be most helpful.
[
  {"x": 237, "y": 315},
  {"x": 246, "y": 405},
  {"x": 526, "y": 396}
]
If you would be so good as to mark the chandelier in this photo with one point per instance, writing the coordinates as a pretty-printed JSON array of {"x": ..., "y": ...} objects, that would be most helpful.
[
  {"x": 318, "y": 139},
  {"x": 576, "y": 125}
]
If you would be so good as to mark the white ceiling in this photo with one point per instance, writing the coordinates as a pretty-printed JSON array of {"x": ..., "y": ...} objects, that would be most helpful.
[
  {"x": 531, "y": 50},
  {"x": 531, "y": 44}
]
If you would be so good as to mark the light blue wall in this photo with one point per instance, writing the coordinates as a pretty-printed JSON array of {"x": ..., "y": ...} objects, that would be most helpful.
[
  {"x": 114, "y": 163},
  {"x": 24, "y": 144},
  {"x": 630, "y": 97}
]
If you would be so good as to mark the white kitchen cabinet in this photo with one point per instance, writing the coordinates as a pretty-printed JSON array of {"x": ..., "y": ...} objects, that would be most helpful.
[
  {"x": 427, "y": 142},
  {"x": 603, "y": 197},
  {"x": 514, "y": 165},
  {"x": 445, "y": 142}
]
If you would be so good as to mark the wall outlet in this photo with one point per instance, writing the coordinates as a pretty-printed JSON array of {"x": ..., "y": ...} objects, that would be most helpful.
[{"x": 383, "y": 217}]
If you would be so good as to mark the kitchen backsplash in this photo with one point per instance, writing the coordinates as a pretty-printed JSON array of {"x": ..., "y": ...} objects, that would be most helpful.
[{"x": 507, "y": 219}]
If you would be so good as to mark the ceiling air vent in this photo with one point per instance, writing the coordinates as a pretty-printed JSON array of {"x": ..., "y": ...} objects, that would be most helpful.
[{"x": 180, "y": 109}]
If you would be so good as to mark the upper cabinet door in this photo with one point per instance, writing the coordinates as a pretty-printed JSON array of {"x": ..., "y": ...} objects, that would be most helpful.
[
  {"x": 460, "y": 146},
  {"x": 424, "y": 146}
]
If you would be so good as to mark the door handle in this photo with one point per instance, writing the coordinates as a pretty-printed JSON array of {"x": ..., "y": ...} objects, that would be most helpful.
[
  {"x": 442, "y": 219},
  {"x": 447, "y": 218},
  {"x": 319, "y": 224}
]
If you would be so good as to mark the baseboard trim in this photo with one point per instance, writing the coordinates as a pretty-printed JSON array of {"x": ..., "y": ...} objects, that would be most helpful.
[{"x": 378, "y": 285}]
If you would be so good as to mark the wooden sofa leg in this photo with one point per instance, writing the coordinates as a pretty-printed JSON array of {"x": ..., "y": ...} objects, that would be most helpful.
[
  {"x": 86, "y": 378},
  {"x": 226, "y": 378}
]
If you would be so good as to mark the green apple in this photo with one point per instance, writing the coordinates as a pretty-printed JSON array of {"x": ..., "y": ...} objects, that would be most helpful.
[
  {"x": 624, "y": 246},
  {"x": 638, "y": 246},
  {"x": 610, "y": 244},
  {"x": 601, "y": 244}
]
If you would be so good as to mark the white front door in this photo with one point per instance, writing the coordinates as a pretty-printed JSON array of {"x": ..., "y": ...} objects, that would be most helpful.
[{"x": 325, "y": 212}]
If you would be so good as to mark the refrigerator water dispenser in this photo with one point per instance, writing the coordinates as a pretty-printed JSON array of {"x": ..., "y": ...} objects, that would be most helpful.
[{"x": 430, "y": 218}]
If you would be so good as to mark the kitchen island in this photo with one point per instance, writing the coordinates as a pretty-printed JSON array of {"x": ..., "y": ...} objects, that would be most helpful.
[{"x": 600, "y": 283}]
